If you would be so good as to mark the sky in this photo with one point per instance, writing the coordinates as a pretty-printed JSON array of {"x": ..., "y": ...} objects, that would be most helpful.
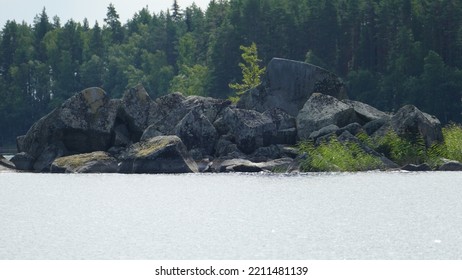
[{"x": 93, "y": 10}]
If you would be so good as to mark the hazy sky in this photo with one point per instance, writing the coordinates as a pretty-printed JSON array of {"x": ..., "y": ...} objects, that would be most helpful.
[{"x": 26, "y": 10}]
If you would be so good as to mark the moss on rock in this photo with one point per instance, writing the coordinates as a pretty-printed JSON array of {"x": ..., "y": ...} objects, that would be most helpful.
[
  {"x": 94, "y": 98},
  {"x": 96, "y": 162},
  {"x": 153, "y": 145},
  {"x": 162, "y": 154}
]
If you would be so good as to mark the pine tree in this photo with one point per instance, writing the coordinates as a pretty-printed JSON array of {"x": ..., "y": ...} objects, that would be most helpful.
[
  {"x": 41, "y": 28},
  {"x": 176, "y": 11},
  {"x": 112, "y": 19},
  {"x": 251, "y": 71},
  {"x": 171, "y": 39},
  {"x": 96, "y": 45}
]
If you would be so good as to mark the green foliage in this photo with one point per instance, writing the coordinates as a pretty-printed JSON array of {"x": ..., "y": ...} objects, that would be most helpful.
[
  {"x": 401, "y": 150},
  {"x": 390, "y": 53},
  {"x": 335, "y": 156},
  {"x": 363, "y": 84},
  {"x": 314, "y": 59},
  {"x": 115, "y": 27},
  {"x": 414, "y": 151},
  {"x": 92, "y": 72},
  {"x": 251, "y": 71},
  {"x": 157, "y": 73},
  {"x": 187, "y": 51},
  {"x": 176, "y": 12},
  {"x": 191, "y": 81},
  {"x": 452, "y": 146}
]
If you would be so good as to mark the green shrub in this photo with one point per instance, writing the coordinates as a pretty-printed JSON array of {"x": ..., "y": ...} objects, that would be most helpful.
[
  {"x": 335, "y": 156},
  {"x": 401, "y": 150},
  {"x": 405, "y": 151},
  {"x": 452, "y": 146}
]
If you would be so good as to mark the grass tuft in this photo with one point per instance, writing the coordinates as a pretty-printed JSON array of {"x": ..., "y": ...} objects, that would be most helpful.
[
  {"x": 452, "y": 146},
  {"x": 335, "y": 156},
  {"x": 401, "y": 150},
  {"x": 332, "y": 155}
]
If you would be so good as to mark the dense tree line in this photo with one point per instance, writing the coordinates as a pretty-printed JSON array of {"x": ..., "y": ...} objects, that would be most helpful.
[{"x": 389, "y": 52}]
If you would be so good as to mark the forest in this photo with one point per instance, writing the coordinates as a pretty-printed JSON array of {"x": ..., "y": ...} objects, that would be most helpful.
[{"x": 389, "y": 53}]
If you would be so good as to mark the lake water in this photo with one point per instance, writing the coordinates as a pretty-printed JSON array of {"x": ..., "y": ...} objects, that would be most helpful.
[{"x": 315, "y": 216}]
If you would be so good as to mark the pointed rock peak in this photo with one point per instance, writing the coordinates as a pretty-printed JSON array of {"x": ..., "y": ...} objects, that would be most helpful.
[
  {"x": 138, "y": 92},
  {"x": 95, "y": 98}
]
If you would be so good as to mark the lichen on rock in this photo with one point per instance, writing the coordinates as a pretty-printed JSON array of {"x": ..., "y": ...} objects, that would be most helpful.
[
  {"x": 162, "y": 154},
  {"x": 96, "y": 162}
]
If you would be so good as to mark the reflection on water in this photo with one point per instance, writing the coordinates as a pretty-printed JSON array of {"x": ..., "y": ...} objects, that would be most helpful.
[{"x": 315, "y": 216}]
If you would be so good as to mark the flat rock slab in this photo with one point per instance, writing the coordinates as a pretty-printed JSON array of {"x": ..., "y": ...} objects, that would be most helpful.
[
  {"x": 6, "y": 165},
  {"x": 162, "y": 154}
]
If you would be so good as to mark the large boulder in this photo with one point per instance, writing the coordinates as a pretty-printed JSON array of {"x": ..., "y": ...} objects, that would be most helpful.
[
  {"x": 197, "y": 133},
  {"x": 96, "y": 162},
  {"x": 190, "y": 118},
  {"x": 286, "y": 128},
  {"x": 172, "y": 108},
  {"x": 134, "y": 111},
  {"x": 263, "y": 154},
  {"x": 122, "y": 135},
  {"x": 88, "y": 119},
  {"x": 250, "y": 129},
  {"x": 169, "y": 112},
  {"x": 330, "y": 129},
  {"x": 353, "y": 128},
  {"x": 225, "y": 148},
  {"x": 23, "y": 161},
  {"x": 20, "y": 143},
  {"x": 211, "y": 108},
  {"x": 376, "y": 126},
  {"x": 162, "y": 154},
  {"x": 323, "y": 110},
  {"x": 409, "y": 121},
  {"x": 46, "y": 158},
  {"x": 288, "y": 84},
  {"x": 366, "y": 113},
  {"x": 151, "y": 132},
  {"x": 83, "y": 123}
]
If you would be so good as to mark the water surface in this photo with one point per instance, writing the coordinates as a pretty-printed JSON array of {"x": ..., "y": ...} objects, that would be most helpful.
[{"x": 315, "y": 216}]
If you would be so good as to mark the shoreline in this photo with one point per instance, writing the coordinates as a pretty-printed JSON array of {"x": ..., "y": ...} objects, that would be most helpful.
[{"x": 262, "y": 173}]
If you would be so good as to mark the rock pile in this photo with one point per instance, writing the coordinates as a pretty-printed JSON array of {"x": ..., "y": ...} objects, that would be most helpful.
[{"x": 176, "y": 134}]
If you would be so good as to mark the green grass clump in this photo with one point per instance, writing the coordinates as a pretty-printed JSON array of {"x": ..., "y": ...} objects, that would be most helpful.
[
  {"x": 452, "y": 146},
  {"x": 414, "y": 151},
  {"x": 334, "y": 156},
  {"x": 401, "y": 150}
]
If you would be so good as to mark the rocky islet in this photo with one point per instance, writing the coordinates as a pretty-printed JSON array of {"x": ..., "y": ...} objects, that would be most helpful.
[{"x": 91, "y": 133}]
